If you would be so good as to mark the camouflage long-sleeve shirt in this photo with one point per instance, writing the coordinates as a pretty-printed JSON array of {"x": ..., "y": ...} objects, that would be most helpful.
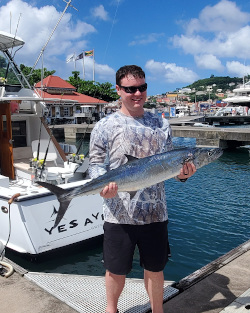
[{"x": 112, "y": 138}]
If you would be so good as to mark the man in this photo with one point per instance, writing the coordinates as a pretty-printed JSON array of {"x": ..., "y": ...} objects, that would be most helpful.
[{"x": 142, "y": 219}]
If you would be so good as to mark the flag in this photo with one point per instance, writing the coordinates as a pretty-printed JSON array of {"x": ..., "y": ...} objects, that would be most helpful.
[
  {"x": 80, "y": 56},
  {"x": 70, "y": 58},
  {"x": 89, "y": 53}
]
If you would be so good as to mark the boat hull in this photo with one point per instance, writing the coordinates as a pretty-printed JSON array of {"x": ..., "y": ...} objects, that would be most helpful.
[{"x": 32, "y": 219}]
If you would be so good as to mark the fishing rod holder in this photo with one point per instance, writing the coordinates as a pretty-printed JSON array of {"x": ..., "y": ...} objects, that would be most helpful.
[
  {"x": 38, "y": 169},
  {"x": 36, "y": 164},
  {"x": 75, "y": 158}
]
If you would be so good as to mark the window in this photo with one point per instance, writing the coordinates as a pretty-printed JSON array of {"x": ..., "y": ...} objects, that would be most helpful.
[
  {"x": 66, "y": 111},
  {"x": 19, "y": 134}
]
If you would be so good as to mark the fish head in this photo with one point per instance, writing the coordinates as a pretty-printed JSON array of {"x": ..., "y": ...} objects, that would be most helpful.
[{"x": 204, "y": 156}]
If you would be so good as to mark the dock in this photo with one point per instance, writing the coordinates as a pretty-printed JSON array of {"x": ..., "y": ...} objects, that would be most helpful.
[
  {"x": 182, "y": 127},
  {"x": 228, "y": 119},
  {"x": 218, "y": 137},
  {"x": 223, "y": 286},
  {"x": 214, "y": 136}
]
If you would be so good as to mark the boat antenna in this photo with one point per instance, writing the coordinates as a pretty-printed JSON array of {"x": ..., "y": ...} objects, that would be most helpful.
[
  {"x": 42, "y": 51},
  {"x": 10, "y": 21},
  {"x": 16, "y": 35},
  {"x": 8, "y": 66},
  {"x": 105, "y": 53}
]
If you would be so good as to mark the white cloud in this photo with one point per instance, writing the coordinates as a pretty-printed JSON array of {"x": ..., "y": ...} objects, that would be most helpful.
[
  {"x": 102, "y": 71},
  {"x": 225, "y": 16},
  {"x": 146, "y": 39},
  {"x": 208, "y": 61},
  {"x": 230, "y": 45},
  {"x": 105, "y": 72},
  {"x": 238, "y": 69},
  {"x": 35, "y": 27},
  {"x": 100, "y": 12},
  {"x": 221, "y": 31},
  {"x": 190, "y": 44},
  {"x": 170, "y": 72}
]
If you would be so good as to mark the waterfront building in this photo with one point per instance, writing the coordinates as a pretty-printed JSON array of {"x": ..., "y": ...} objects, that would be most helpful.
[{"x": 75, "y": 108}]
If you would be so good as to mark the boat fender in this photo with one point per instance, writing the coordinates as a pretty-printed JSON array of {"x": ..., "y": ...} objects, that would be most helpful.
[
  {"x": 13, "y": 198},
  {"x": 9, "y": 267}
]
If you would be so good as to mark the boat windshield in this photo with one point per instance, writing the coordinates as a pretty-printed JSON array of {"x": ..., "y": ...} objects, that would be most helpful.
[
  {"x": 7, "y": 75},
  {"x": 7, "y": 66}
]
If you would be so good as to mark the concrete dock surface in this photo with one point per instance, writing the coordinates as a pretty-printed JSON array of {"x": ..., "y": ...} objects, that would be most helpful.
[
  {"x": 19, "y": 295},
  {"x": 215, "y": 292},
  {"x": 212, "y": 294}
]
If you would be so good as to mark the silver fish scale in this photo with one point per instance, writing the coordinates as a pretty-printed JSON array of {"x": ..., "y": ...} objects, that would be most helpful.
[
  {"x": 146, "y": 171},
  {"x": 87, "y": 293},
  {"x": 138, "y": 174}
]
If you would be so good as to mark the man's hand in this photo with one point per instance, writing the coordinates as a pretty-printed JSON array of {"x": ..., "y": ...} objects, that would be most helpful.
[
  {"x": 109, "y": 191},
  {"x": 187, "y": 170}
]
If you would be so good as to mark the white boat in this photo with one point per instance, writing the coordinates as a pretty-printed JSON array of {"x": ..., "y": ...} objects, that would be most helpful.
[
  {"x": 182, "y": 110},
  {"x": 240, "y": 99},
  {"x": 28, "y": 211},
  {"x": 198, "y": 124},
  {"x": 232, "y": 110}
]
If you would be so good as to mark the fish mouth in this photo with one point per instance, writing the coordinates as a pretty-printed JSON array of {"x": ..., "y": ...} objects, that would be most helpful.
[
  {"x": 213, "y": 154},
  {"x": 207, "y": 155}
]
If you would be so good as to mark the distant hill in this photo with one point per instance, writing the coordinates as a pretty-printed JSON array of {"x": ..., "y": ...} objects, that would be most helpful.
[{"x": 223, "y": 83}]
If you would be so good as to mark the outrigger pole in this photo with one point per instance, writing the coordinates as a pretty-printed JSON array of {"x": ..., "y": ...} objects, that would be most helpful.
[{"x": 68, "y": 4}]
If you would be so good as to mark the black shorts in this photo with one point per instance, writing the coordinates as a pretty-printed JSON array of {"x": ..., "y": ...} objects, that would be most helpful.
[{"x": 120, "y": 241}]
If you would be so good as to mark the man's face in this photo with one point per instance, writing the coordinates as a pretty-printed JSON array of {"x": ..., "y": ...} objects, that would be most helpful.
[{"x": 132, "y": 103}]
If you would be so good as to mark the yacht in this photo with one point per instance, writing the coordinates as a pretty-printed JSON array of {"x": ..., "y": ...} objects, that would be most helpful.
[
  {"x": 28, "y": 153},
  {"x": 182, "y": 110},
  {"x": 240, "y": 100}
]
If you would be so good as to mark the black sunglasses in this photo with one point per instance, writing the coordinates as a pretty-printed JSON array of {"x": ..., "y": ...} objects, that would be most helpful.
[{"x": 133, "y": 89}]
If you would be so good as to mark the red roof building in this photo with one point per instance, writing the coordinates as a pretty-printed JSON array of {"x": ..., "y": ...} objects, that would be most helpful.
[
  {"x": 56, "y": 87},
  {"x": 73, "y": 106}
]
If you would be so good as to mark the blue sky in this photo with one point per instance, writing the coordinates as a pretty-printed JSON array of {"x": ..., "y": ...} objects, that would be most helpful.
[{"x": 176, "y": 42}]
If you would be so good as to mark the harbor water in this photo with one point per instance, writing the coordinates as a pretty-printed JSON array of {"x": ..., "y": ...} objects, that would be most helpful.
[{"x": 208, "y": 216}]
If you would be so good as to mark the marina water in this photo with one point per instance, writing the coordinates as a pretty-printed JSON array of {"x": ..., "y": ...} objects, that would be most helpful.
[{"x": 208, "y": 216}]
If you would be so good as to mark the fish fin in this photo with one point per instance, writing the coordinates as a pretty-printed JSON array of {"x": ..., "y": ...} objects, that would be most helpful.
[
  {"x": 130, "y": 158},
  {"x": 53, "y": 188},
  {"x": 64, "y": 204},
  {"x": 132, "y": 194}
]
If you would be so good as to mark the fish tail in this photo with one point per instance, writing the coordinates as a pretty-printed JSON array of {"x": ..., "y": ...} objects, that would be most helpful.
[
  {"x": 62, "y": 210},
  {"x": 58, "y": 192}
]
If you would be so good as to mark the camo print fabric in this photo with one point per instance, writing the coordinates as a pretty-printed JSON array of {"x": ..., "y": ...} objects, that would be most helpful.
[{"x": 111, "y": 139}]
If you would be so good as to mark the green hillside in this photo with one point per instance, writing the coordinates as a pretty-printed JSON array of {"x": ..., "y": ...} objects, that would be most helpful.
[{"x": 224, "y": 83}]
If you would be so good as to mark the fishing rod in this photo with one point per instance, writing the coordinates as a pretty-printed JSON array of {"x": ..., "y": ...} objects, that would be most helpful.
[
  {"x": 39, "y": 140},
  {"x": 38, "y": 147},
  {"x": 47, "y": 150},
  {"x": 44, "y": 47}
]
